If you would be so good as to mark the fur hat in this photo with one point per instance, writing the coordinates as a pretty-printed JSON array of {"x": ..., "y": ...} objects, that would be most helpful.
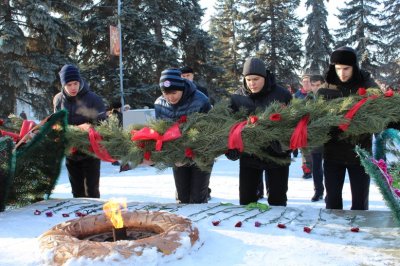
[
  {"x": 254, "y": 66},
  {"x": 69, "y": 73},
  {"x": 344, "y": 56},
  {"x": 171, "y": 80}
]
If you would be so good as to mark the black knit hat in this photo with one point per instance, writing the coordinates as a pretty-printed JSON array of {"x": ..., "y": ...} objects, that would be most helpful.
[
  {"x": 186, "y": 69},
  {"x": 69, "y": 73},
  {"x": 254, "y": 66},
  {"x": 171, "y": 80},
  {"x": 344, "y": 56}
]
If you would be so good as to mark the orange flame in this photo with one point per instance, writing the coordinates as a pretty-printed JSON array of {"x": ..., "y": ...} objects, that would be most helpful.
[{"x": 113, "y": 210}]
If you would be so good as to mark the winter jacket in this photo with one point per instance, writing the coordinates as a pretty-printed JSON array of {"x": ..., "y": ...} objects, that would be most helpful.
[
  {"x": 85, "y": 107},
  {"x": 244, "y": 98},
  {"x": 342, "y": 150},
  {"x": 192, "y": 101}
]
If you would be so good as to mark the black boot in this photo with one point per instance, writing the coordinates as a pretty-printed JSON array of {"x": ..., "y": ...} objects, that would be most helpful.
[{"x": 317, "y": 196}]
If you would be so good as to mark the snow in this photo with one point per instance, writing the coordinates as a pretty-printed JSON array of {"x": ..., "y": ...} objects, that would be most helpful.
[{"x": 330, "y": 242}]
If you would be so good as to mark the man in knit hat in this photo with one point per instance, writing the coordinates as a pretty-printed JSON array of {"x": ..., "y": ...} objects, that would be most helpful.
[
  {"x": 85, "y": 109},
  {"x": 258, "y": 92},
  {"x": 188, "y": 73},
  {"x": 180, "y": 97},
  {"x": 343, "y": 79}
]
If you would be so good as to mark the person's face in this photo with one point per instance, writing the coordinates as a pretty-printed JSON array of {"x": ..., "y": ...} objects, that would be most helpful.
[
  {"x": 172, "y": 96},
  {"x": 255, "y": 83},
  {"x": 306, "y": 84},
  {"x": 72, "y": 87},
  {"x": 344, "y": 72},
  {"x": 188, "y": 76},
  {"x": 315, "y": 85}
]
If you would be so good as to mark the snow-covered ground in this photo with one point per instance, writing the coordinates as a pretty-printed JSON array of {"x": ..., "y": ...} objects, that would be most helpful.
[{"x": 330, "y": 242}]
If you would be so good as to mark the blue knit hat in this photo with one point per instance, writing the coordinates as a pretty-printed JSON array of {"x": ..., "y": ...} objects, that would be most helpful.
[
  {"x": 171, "y": 80},
  {"x": 69, "y": 73}
]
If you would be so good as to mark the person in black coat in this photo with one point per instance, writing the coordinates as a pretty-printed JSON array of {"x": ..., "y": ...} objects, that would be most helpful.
[
  {"x": 259, "y": 91},
  {"x": 180, "y": 97},
  {"x": 85, "y": 108},
  {"x": 344, "y": 78}
]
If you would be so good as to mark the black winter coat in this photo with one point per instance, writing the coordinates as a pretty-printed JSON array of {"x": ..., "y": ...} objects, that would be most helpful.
[
  {"x": 192, "y": 101},
  {"x": 85, "y": 107},
  {"x": 244, "y": 98},
  {"x": 342, "y": 150}
]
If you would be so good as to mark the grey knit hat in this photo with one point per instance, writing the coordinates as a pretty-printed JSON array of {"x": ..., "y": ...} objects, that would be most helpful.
[
  {"x": 171, "y": 80},
  {"x": 254, "y": 66}
]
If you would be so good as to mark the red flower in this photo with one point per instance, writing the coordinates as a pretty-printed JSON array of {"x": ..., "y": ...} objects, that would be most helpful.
[
  {"x": 215, "y": 223},
  {"x": 389, "y": 93},
  {"x": 275, "y": 117},
  {"x": 141, "y": 145},
  {"x": 238, "y": 224},
  {"x": 361, "y": 91},
  {"x": 49, "y": 214},
  {"x": 281, "y": 226},
  {"x": 1, "y": 122},
  {"x": 182, "y": 119},
  {"x": 73, "y": 150},
  {"x": 257, "y": 224},
  {"x": 355, "y": 229},
  {"x": 253, "y": 119},
  {"x": 80, "y": 214},
  {"x": 189, "y": 153},
  {"x": 65, "y": 215},
  {"x": 37, "y": 212},
  {"x": 147, "y": 155},
  {"x": 307, "y": 229}
]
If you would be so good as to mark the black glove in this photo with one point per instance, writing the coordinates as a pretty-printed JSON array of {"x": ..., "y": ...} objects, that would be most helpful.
[{"x": 233, "y": 154}]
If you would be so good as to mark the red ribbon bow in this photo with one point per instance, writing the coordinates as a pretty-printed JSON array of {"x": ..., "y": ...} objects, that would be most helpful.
[
  {"x": 147, "y": 133},
  {"x": 100, "y": 151},
  {"x": 299, "y": 136},
  {"x": 235, "y": 140},
  {"x": 352, "y": 112}
]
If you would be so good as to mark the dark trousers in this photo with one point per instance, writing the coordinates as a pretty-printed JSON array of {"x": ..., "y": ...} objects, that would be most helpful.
[
  {"x": 84, "y": 176},
  {"x": 191, "y": 184},
  {"x": 334, "y": 181},
  {"x": 317, "y": 172},
  {"x": 277, "y": 183}
]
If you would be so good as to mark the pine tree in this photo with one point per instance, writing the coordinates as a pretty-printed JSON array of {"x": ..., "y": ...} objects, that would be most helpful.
[
  {"x": 273, "y": 35},
  {"x": 35, "y": 41},
  {"x": 224, "y": 27},
  {"x": 359, "y": 29},
  {"x": 390, "y": 70},
  {"x": 319, "y": 40}
]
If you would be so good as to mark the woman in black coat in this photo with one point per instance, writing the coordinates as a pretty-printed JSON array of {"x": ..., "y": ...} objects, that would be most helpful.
[
  {"x": 259, "y": 91},
  {"x": 180, "y": 97}
]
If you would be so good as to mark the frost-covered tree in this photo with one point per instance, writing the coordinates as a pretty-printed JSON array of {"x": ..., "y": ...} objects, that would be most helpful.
[{"x": 319, "y": 40}]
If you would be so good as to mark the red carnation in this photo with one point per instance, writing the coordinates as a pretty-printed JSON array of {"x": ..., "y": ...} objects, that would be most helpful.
[
  {"x": 361, "y": 91},
  {"x": 80, "y": 214},
  {"x": 1, "y": 122},
  {"x": 215, "y": 223},
  {"x": 389, "y": 93},
  {"x": 307, "y": 229},
  {"x": 182, "y": 119},
  {"x": 141, "y": 145},
  {"x": 281, "y": 226},
  {"x": 253, "y": 119},
  {"x": 37, "y": 212},
  {"x": 65, "y": 215},
  {"x": 238, "y": 224},
  {"x": 49, "y": 214},
  {"x": 355, "y": 229},
  {"x": 147, "y": 155},
  {"x": 257, "y": 224},
  {"x": 275, "y": 117},
  {"x": 189, "y": 153}
]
